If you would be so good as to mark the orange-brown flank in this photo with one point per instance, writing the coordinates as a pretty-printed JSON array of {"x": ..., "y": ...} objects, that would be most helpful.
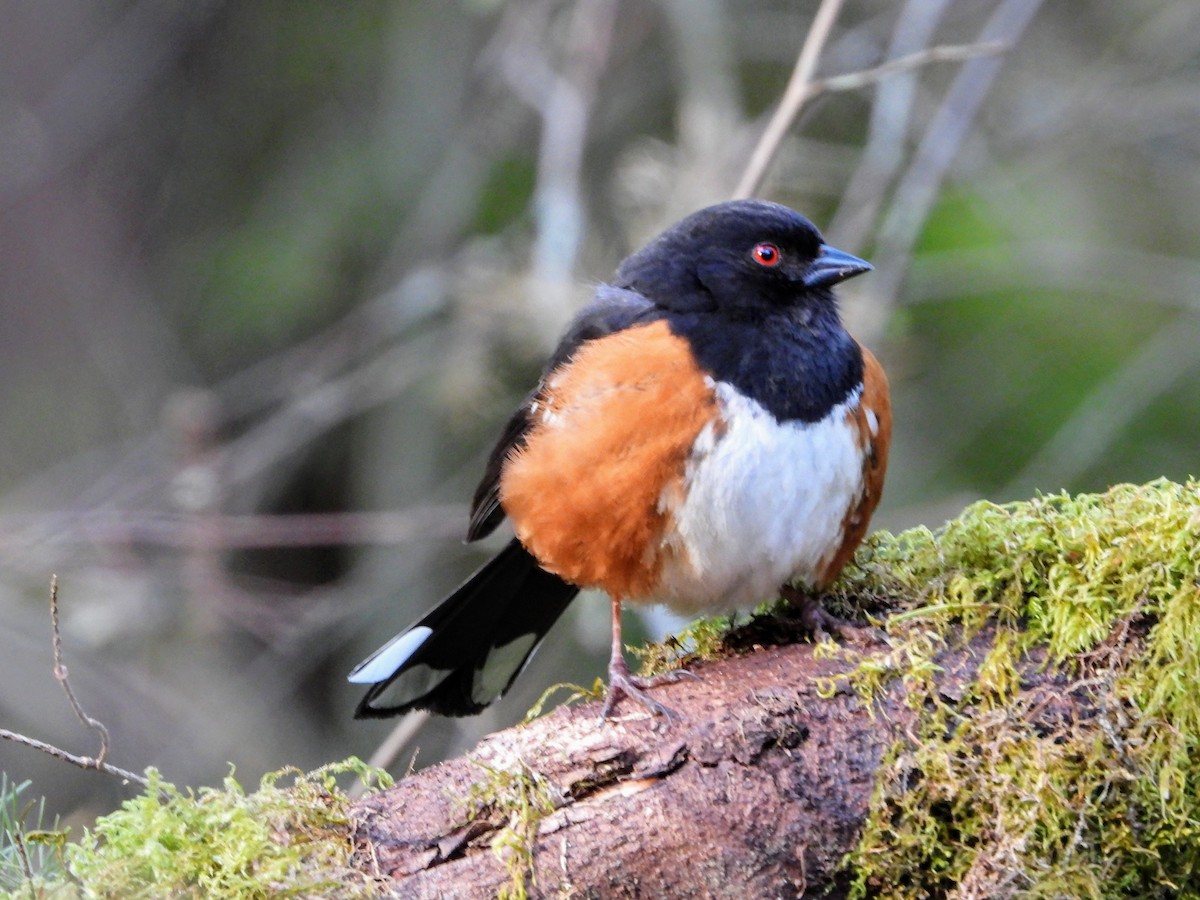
[
  {"x": 614, "y": 427},
  {"x": 876, "y": 401}
]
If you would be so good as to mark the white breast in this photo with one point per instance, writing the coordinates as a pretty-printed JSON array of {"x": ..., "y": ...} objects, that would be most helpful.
[{"x": 764, "y": 503}]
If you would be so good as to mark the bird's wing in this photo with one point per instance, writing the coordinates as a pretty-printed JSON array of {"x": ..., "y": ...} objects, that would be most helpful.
[{"x": 611, "y": 310}]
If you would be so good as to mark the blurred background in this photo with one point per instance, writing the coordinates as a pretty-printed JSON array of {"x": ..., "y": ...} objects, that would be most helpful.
[{"x": 273, "y": 274}]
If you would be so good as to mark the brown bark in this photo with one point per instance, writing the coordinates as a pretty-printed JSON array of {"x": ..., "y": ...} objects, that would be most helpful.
[{"x": 757, "y": 790}]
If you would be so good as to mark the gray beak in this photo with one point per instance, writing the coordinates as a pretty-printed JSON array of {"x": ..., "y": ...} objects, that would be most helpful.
[{"x": 832, "y": 267}]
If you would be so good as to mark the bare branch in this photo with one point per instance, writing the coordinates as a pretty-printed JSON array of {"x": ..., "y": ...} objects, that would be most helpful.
[
  {"x": 406, "y": 729},
  {"x": 60, "y": 672},
  {"x": 853, "y": 81},
  {"x": 795, "y": 95},
  {"x": 84, "y": 762},
  {"x": 892, "y": 108},
  {"x": 563, "y": 100},
  {"x": 392, "y": 746},
  {"x": 918, "y": 188},
  {"x": 802, "y": 88}
]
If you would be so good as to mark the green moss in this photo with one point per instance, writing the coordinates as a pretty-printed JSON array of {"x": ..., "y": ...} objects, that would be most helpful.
[
  {"x": 519, "y": 799},
  {"x": 1009, "y": 790},
  {"x": 698, "y": 641},
  {"x": 577, "y": 692},
  {"x": 1069, "y": 763},
  {"x": 280, "y": 840}
]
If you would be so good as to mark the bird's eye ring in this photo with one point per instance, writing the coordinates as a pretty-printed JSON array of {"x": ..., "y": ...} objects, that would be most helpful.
[{"x": 766, "y": 254}]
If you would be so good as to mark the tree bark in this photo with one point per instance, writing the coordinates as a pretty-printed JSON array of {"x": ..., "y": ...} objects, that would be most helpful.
[{"x": 757, "y": 789}]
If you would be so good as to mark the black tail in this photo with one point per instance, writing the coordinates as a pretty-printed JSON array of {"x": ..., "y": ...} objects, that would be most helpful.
[{"x": 469, "y": 649}]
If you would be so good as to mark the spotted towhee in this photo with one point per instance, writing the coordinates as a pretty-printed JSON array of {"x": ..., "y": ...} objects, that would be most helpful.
[{"x": 706, "y": 432}]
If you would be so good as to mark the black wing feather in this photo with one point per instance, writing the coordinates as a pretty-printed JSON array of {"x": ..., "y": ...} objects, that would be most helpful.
[{"x": 509, "y": 598}]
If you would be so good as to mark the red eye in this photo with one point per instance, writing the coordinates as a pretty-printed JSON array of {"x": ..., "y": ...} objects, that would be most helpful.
[{"x": 766, "y": 254}]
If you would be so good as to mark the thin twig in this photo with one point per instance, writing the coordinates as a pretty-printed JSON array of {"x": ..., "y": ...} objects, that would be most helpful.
[
  {"x": 84, "y": 762},
  {"x": 853, "y": 81},
  {"x": 917, "y": 190},
  {"x": 794, "y": 97},
  {"x": 563, "y": 99},
  {"x": 60, "y": 672},
  {"x": 802, "y": 88},
  {"x": 884, "y": 151}
]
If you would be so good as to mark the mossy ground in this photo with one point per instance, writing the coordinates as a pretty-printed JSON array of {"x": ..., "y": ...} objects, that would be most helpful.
[
  {"x": 1069, "y": 764},
  {"x": 289, "y": 838},
  {"x": 1066, "y": 766}
]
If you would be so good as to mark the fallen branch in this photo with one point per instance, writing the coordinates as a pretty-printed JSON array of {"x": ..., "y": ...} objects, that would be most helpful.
[{"x": 759, "y": 789}]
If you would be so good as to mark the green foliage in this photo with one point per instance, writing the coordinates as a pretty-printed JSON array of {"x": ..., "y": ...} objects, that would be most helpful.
[
  {"x": 1007, "y": 790},
  {"x": 713, "y": 638},
  {"x": 505, "y": 196},
  {"x": 522, "y": 798},
  {"x": 700, "y": 640},
  {"x": 281, "y": 840},
  {"x": 578, "y": 692},
  {"x": 27, "y": 847}
]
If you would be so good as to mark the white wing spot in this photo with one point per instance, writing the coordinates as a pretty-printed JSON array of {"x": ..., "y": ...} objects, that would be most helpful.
[{"x": 384, "y": 662}]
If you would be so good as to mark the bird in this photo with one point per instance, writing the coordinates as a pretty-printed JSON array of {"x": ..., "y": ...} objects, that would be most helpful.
[{"x": 706, "y": 435}]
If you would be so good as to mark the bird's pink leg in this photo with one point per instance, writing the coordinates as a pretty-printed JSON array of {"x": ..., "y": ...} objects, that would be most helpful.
[{"x": 622, "y": 683}]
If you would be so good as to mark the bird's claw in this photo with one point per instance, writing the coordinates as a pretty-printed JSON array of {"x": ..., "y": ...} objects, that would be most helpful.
[{"x": 623, "y": 684}]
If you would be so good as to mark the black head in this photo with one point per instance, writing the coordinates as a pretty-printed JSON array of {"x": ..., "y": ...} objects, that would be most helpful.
[{"x": 742, "y": 255}]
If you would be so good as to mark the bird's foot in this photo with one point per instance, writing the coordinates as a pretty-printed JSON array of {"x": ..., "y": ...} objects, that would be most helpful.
[
  {"x": 817, "y": 623},
  {"x": 622, "y": 683}
]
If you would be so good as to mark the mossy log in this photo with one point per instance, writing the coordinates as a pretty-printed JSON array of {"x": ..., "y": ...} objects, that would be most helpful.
[
  {"x": 758, "y": 789},
  {"x": 1026, "y": 724}
]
